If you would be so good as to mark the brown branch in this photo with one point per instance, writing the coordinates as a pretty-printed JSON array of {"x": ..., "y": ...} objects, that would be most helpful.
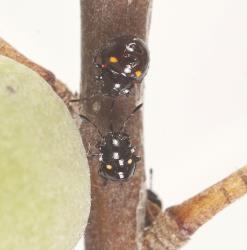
[
  {"x": 172, "y": 229},
  {"x": 118, "y": 210},
  {"x": 60, "y": 88}
]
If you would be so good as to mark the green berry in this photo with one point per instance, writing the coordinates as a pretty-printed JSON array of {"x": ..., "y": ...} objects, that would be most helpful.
[{"x": 44, "y": 175}]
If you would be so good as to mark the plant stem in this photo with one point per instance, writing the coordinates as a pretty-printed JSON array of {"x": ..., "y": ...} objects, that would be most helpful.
[
  {"x": 173, "y": 228},
  {"x": 118, "y": 209}
]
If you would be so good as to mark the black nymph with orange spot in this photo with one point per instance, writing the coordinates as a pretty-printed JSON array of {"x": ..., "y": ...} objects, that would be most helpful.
[
  {"x": 123, "y": 63},
  {"x": 117, "y": 157},
  {"x": 116, "y": 153}
]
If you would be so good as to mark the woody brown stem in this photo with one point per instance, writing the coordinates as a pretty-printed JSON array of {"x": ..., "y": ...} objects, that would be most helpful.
[
  {"x": 118, "y": 209},
  {"x": 172, "y": 229}
]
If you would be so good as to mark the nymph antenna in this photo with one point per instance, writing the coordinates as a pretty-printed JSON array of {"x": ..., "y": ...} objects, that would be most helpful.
[{"x": 130, "y": 115}]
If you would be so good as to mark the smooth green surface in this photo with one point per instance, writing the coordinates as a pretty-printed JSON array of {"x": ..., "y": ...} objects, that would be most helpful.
[{"x": 44, "y": 176}]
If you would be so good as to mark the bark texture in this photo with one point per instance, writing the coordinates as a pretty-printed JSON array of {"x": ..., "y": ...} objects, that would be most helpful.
[
  {"x": 118, "y": 209},
  {"x": 173, "y": 228},
  {"x": 195, "y": 212}
]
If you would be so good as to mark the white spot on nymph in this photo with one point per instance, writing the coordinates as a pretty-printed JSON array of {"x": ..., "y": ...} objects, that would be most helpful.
[
  {"x": 121, "y": 175},
  {"x": 121, "y": 162},
  {"x": 115, "y": 155},
  {"x": 127, "y": 70},
  {"x": 132, "y": 150},
  {"x": 115, "y": 142},
  {"x": 100, "y": 158},
  {"x": 117, "y": 86},
  {"x": 129, "y": 48}
]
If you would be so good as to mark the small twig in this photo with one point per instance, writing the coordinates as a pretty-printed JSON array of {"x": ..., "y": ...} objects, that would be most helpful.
[
  {"x": 59, "y": 87},
  {"x": 172, "y": 229}
]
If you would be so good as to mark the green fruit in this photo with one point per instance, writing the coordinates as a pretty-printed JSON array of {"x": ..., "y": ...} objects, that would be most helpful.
[{"x": 44, "y": 175}]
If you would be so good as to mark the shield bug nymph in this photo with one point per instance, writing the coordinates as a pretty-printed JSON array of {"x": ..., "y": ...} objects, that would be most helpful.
[
  {"x": 117, "y": 156},
  {"x": 122, "y": 63}
]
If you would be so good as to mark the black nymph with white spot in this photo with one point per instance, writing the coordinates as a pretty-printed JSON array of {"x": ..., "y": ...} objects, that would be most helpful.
[
  {"x": 116, "y": 154},
  {"x": 117, "y": 157},
  {"x": 122, "y": 63}
]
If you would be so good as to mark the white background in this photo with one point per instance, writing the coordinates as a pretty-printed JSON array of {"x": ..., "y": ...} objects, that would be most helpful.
[{"x": 195, "y": 95}]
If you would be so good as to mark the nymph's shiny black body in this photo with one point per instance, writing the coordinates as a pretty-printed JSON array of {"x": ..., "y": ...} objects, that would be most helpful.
[
  {"x": 117, "y": 158},
  {"x": 116, "y": 154},
  {"x": 122, "y": 64}
]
